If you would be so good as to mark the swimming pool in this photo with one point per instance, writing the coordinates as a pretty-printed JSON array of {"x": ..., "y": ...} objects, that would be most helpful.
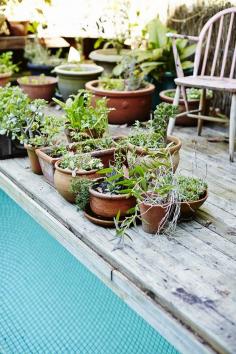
[{"x": 51, "y": 303}]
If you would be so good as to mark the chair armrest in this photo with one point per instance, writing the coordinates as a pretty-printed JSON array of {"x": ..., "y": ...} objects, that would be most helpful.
[{"x": 182, "y": 36}]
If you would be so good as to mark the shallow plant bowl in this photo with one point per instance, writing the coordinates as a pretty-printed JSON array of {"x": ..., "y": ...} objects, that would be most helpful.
[
  {"x": 38, "y": 87},
  {"x": 188, "y": 209},
  {"x": 99, "y": 220}
]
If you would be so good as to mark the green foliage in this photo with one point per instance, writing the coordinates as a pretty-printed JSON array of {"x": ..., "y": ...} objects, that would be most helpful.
[
  {"x": 111, "y": 84},
  {"x": 34, "y": 80},
  {"x": 162, "y": 114},
  {"x": 80, "y": 162},
  {"x": 130, "y": 71},
  {"x": 158, "y": 57},
  {"x": 82, "y": 116},
  {"x": 25, "y": 120},
  {"x": 117, "y": 43},
  {"x": 192, "y": 94},
  {"x": 6, "y": 63},
  {"x": 90, "y": 145},
  {"x": 80, "y": 187},
  {"x": 37, "y": 54},
  {"x": 190, "y": 188},
  {"x": 57, "y": 151}
]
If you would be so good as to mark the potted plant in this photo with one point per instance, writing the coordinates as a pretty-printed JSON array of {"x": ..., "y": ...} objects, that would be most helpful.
[
  {"x": 193, "y": 97},
  {"x": 129, "y": 94},
  {"x": 38, "y": 86},
  {"x": 7, "y": 68},
  {"x": 74, "y": 166},
  {"x": 48, "y": 156},
  {"x": 84, "y": 118},
  {"x": 27, "y": 123},
  {"x": 73, "y": 77},
  {"x": 153, "y": 141},
  {"x": 41, "y": 61},
  {"x": 157, "y": 59},
  {"x": 192, "y": 194}
]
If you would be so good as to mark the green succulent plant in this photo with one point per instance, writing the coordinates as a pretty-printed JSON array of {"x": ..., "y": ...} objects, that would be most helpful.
[{"x": 6, "y": 63}]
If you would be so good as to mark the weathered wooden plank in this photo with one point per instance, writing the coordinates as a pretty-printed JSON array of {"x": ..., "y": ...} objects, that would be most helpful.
[{"x": 163, "y": 267}]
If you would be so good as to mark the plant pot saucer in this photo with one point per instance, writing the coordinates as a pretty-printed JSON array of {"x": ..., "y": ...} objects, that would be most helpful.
[{"x": 99, "y": 220}]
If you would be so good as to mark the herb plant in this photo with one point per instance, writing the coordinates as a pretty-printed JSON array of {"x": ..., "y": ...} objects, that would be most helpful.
[
  {"x": 6, "y": 63},
  {"x": 37, "y": 54},
  {"x": 82, "y": 116},
  {"x": 80, "y": 187},
  {"x": 192, "y": 94},
  {"x": 80, "y": 162},
  {"x": 190, "y": 188}
]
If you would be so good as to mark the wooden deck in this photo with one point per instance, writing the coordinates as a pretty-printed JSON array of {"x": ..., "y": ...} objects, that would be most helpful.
[{"x": 184, "y": 285}]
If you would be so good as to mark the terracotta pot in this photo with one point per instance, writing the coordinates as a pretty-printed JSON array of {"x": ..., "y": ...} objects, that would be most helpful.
[
  {"x": 63, "y": 179},
  {"x": 39, "y": 90},
  {"x": 174, "y": 150},
  {"x": 187, "y": 209},
  {"x": 18, "y": 28},
  {"x": 47, "y": 163},
  {"x": 153, "y": 216},
  {"x": 193, "y": 104},
  {"x": 108, "y": 205},
  {"x": 5, "y": 78},
  {"x": 129, "y": 105},
  {"x": 34, "y": 161},
  {"x": 107, "y": 58},
  {"x": 107, "y": 156}
]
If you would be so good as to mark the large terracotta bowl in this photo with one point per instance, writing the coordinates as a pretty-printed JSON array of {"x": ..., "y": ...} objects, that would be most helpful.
[
  {"x": 129, "y": 106},
  {"x": 41, "y": 89}
]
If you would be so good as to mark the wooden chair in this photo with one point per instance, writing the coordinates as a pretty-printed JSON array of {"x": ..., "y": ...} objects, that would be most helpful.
[{"x": 225, "y": 82}]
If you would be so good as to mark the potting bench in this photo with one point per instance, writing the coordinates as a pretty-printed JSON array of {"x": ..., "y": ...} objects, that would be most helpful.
[{"x": 184, "y": 285}]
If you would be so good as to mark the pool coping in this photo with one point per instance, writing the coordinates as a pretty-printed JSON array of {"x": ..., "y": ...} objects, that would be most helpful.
[{"x": 139, "y": 299}]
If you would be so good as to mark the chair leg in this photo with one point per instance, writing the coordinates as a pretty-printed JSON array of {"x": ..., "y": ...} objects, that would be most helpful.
[
  {"x": 202, "y": 108},
  {"x": 232, "y": 127},
  {"x": 176, "y": 103}
]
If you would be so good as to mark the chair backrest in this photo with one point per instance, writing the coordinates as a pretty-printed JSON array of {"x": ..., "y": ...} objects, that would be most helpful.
[{"x": 212, "y": 51}]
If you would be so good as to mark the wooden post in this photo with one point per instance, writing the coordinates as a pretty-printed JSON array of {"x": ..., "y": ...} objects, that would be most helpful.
[
  {"x": 232, "y": 128},
  {"x": 202, "y": 108}
]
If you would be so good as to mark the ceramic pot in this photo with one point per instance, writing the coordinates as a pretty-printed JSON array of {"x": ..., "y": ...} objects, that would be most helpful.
[
  {"x": 107, "y": 58},
  {"x": 38, "y": 69},
  {"x": 39, "y": 90},
  {"x": 173, "y": 150},
  {"x": 70, "y": 80},
  {"x": 18, "y": 28},
  {"x": 63, "y": 179},
  {"x": 129, "y": 105},
  {"x": 34, "y": 161},
  {"x": 5, "y": 78},
  {"x": 47, "y": 163},
  {"x": 108, "y": 205},
  {"x": 188, "y": 209},
  {"x": 153, "y": 216}
]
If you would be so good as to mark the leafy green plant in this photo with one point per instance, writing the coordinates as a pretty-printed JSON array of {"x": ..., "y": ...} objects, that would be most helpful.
[
  {"x": 90, "y": 145},
  {"x": 39, "y": 55},
  {"x": 158, "y": 57},
  {"x": 80, "y": 162},
  {"x": 82, "y": 116},
  {"x": 25, "y": 120},
  {"x": 190, "y": 188},
  {"x": 192, "y": 94},
  {"x": 6, "y": 63},
  {"x": 80, "y": 187},
  {"x": 34, "y": 80},
  {"x": 111, "y": 84},
  {"x": 57, "y": 151},
  {"x": 162, "y": 114}
]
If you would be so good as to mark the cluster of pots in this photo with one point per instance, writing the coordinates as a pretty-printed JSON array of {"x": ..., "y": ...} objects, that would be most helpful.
[{"x": 106, "y": 206}]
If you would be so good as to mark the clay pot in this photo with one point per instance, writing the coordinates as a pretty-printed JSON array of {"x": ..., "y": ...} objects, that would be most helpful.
[
  {"x": 108, "y": 205},
  {"x": 47, "y": 164},
  {"x": 18, "y": 28},
  {"x": 5, "y": 78},
  {"x": 107, "y": 156},
  {"x": 70, "y": 80},
  {"x": 39, "y": 90},
  {"x": 34, "y": 161},
  {"x": 187, "y": 209},
  {"x": 153, "y": 216},
  {"x": 192, "y": 103},
  {"x": 174, "y": 150},
  {"x": 129, "y": 105},
  {"x": 63, "y": 179}
]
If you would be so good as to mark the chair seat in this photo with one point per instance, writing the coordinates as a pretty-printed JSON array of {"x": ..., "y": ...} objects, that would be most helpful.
[{"x": 208, "y": 82}]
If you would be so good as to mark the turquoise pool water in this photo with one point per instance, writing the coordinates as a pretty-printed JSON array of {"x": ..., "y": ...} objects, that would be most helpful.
[{"x": 51, "y": 303}]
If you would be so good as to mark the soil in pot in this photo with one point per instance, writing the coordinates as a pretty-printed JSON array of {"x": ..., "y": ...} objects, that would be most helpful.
[
  {"x": 188, "y": 209},
  {"x": 34, "y": 161},
  {"x": 107, "y": 205},
  {"x": 5, "y": 78},
  {"x": 63, "y": 179},
  {"x": 153, "y": 216},
  {"x": 72, "y": 77},
  {"x": 47, "y": 163},
  {"x": 129, "y": 106},
  {"x": 38, "y": 86}
]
